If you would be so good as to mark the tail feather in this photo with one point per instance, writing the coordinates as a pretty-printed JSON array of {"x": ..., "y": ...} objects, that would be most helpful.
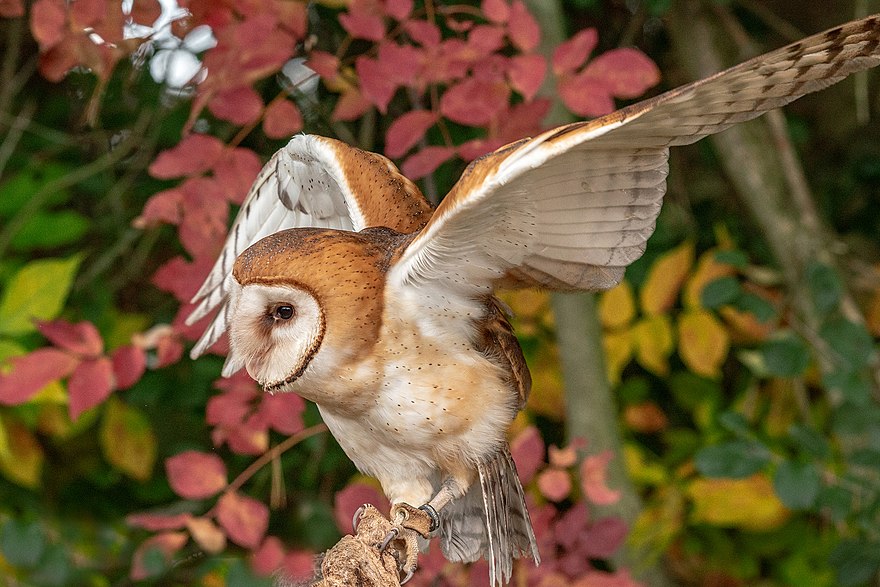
[{"x": 490, "y": 520}]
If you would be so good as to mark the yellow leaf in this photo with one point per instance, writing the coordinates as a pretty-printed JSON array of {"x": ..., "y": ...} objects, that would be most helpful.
[
  {"x": 548, "y": 396},
  {"x": 659, "y": 523},
  {"x": 531, "y": 309},
  {"x": 653, "y": 340},
  {"x": 873, "y": 314},
  {"x": 617, "y": 306},
  {"x": 708, "y": 269},
  {"x": 38, "y": 290},
  {"x": 748, "y": 503},
  {"x": 703, "y": 342},
  {"x": 640, "y": 470},
  {"x": 664, "y": 279},
  {"x": 127, "y": 440},
  {"x": 781, "y": 411},
  {"x": 618, "y": 348},
  {"x": 23, "y": 462}
]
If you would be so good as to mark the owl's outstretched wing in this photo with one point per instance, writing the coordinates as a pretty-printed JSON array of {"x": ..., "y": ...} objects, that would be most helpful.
[
  {"x": 312, "y": 181},
  {"x": 572, "y": 207}
]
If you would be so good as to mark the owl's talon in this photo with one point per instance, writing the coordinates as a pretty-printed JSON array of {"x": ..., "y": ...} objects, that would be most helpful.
[
  {"x": 356, "y": 518},
  {"x": 409, "y": 575},
  {"x": 389, "y": 538}
]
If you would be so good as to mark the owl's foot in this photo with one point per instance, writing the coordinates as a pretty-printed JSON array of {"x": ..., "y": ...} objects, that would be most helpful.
[{"x": 408, "y": 523}]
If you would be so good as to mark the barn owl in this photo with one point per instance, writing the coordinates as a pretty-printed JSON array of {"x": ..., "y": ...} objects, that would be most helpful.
[{"x": 339, "y": 282}]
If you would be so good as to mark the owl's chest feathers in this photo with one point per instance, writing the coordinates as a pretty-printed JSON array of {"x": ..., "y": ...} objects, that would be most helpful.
[{"x": 425, "y": 391}]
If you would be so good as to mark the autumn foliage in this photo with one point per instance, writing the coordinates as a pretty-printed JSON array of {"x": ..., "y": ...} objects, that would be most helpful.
[{"x": 213, "y": 482}]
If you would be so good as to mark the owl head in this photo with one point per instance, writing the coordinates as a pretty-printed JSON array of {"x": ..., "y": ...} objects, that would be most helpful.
[{"x": 304, "y": 303}]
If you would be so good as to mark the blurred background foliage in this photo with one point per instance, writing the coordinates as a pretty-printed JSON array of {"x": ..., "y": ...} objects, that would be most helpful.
[{"x": 745, "y": 381}]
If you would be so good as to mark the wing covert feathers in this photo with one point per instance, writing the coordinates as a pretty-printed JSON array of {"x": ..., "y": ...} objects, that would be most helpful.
[
  {"x": 572, "y": 207},
  {"x": 312, "y": 181}
]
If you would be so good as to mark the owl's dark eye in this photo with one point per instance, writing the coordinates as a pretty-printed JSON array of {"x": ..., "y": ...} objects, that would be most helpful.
[{"x": 283, "y": 312}]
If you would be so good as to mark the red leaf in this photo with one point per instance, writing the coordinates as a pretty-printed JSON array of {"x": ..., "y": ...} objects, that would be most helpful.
[
  {"x": 325, "y": 64},
  {"x": 282, "y": 119},
  {"x": 554, "y": 484},
  {"x": 619, "y": 578},
  {"x": 161, "y": 207},
  {"x": 348, "y": 500},
  {"x": 195, "y": 475},
  {"x": 523, "y": 120},
  {"x": 593, "y": 472},
  {"x": 129, "y": 364},
  {"x": 585, "y": 96},
  {"x": 486, "y": 39},
  {"x": 474, "y": 102},
  {"x": 398, "y": 9},
  {"x": 363, "y": 25},
  {"x": 283, "y": 412},
  {"x": 85, "y": 13},
  {"x": 571, "y": 54},
  {"x": 244, "y": 519},
  {"x": 155, "y": 522},
  {"x": 401, "y": 63},
  {"x": 522, "y": 28},
  {"x": 32, "y": 372},
  {"x": 426, "y": 161},
  {"x": 376, "y": 85},
  {"x": 167, "y": 543},
  {"x": 203, "y": 226},
  {"x": 269, "y": 557},
  {"x": 195, "y": 154},
  {"x": 526, "y": 74},
  {"x": 239, "y": 106},
  {"x": 425, "y": 33},
  {"x": 474, "y": 148},
  {"x": 351, "y": 105},
  {"x": 496, "y": 10},
  {"x": 569, "y": 526},
  {"x": 81, "y": 339},
  {"x": 11, "y": 9},
  {"x": 602, "y": 539},
  {"x": 235, "y": 171},
  {"x": 48, "y": 23},
  {"x": 89, "y": 385},
  {"x": 181, "y": 277},
  {"x": 626, "y": 72},
  {"x": 299, "y": 565},
  {"x": 527, "y": 450},
  {"x": 407, "y": 130},
  {"x": 230, "y": 408}
]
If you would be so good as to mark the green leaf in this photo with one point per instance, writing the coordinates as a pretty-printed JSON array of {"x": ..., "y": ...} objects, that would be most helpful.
[
  {"x": 732, "y": 257},
  {"x": 734, "y": 422},
  {"x": 127, "y": 440},
  {"x": 735, "y": 459},
  {"x": 37, "y": 291},
  {"x": 835, "y": 500},
  {"x": 810, "y": 441},
  {"x": 785, "y": 357},
  {"x": 47, "y": 230},
  {"x": 55, "y": 568},
  {"x": 855, "y": 561},
  {"x": 720, "y": 292},
  {"x": 825, "y": 287},
  {"x": 796, "y": 484},
  {"x": 22, "y": 544},
  {"x": 20, "y": 188},
  {"x": 853, "y": 385},
  {"x": 756, "y": 305},
  {"x": 851, "y": 342},
  {"x": 241, "y": 576}
]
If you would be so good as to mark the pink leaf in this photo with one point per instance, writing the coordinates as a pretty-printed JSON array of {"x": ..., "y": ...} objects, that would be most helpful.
[
  {"x": 474, "y": 148},
  {"x": 401, "y": 63},
  {"x": 554, "y": 484},
  {"x": 603, "y": 538},
  {"x": 626, "y": 72},
  {"x": 526, "y": 74},
  {"x": 239, "y": 106},
  {"x": 81, "y": 339},
  {"x": 363, "y": 25},
  {"x": 348, "y": 500},
  {"x": 89, "y": 385},
  {"x": 496, "y": 10},
  {"x": 195, "y": 154},
  {"x": 522, "y": 28},
  {"x": 425, "y": 33},
  {"x": 48, "y": 20},
  {"x": 486, "y": 39},
  {"x": 527, "y": 450},
  {"x": 244, "y": 519},
  {"x": 570, "y": 525},
  {"x": 426, "y": 161},
  {"x": 299, "y": 565},
  {"x": 567, "y": 456},
  {"x": 161, "y": 207},
  {"x": 195, "y": 475},
  {"x": 32, "y": 372},
  {"x": 282, "y": 119},
  {"x": 619, "y": 578},
  {"x": 325, "y": 64},
  {"x": 283, "y": 412},
  {"x": 398, "y": 9},
  {"x": 407, "y": 130},
  {"x": 376, "y": 85},
  {"x": 474, "y": 102},
  {"x": 350, "y": 106},
  {"x": 593, "y": 479},
  {"x": 203, "y": 226},
  {"x": 585, "y": 96},
  {"x": 571, "y": 54},
  {"x": 181, "y": 277},
  {"x": 129, "y": 364},
  {"x": 155, "y": 522},
  {"x": 235, "y": 171},
  {"x": 269, "y": 557},
  {"x": 167, "y": 543}
]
